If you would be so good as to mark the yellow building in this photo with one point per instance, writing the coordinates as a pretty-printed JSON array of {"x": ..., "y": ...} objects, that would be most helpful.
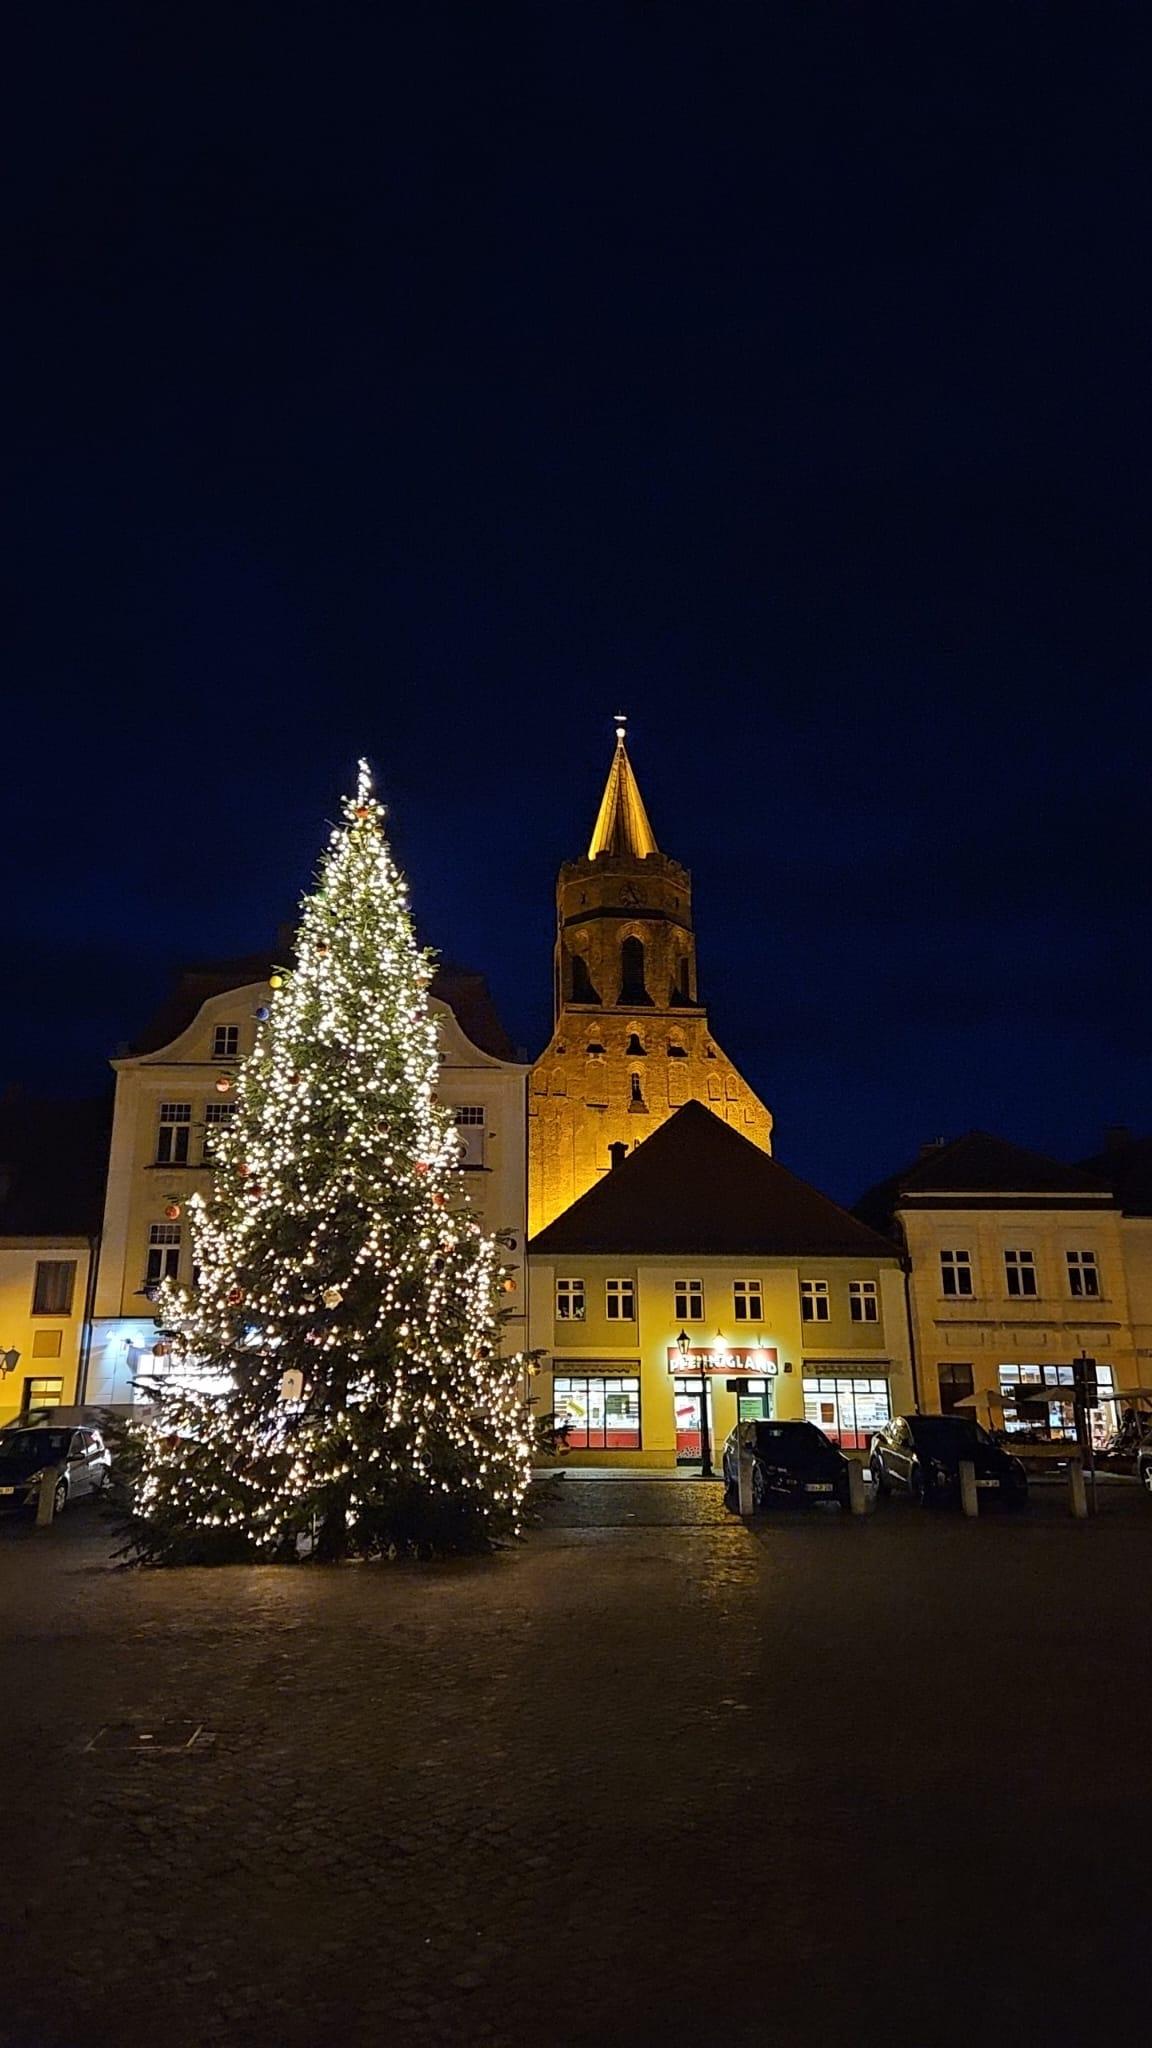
[
  {"x": 631, "y": 1041},
  {"x": 173, "y": 1092},
  {"x": 699, "y": 1261},
  {"x": 1019, "y": 1265},
  {"x": 51, "y": 1173}
]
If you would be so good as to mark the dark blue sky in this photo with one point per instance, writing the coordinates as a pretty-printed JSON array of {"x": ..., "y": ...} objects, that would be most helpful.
[{"x": 428, "y": 386}]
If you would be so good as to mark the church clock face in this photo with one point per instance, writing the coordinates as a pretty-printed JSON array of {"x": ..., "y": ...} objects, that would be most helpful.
[{"x": 630, "y": 894}]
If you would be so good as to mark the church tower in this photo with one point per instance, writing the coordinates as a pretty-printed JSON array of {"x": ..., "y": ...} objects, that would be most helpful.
[{"x": 631, "y": 1041}]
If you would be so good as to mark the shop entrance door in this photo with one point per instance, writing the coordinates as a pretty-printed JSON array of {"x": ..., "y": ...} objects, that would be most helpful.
[{"x": 690, "y": 1397}]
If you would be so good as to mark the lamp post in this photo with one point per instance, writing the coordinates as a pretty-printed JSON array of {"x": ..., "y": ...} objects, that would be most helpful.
[{"x": 684, "y": 1346}]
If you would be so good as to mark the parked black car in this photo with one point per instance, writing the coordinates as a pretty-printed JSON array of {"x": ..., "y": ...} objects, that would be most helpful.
[
  {"x": 78, "y": 1456},
  {"x": 792, "y": 1462},
  {"x": 1144, "y": 1463},
  {"x": 921, "y": 1455}
]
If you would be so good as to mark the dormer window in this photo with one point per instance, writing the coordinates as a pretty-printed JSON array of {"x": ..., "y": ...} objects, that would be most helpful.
[{"x": 225, "y": 1041}]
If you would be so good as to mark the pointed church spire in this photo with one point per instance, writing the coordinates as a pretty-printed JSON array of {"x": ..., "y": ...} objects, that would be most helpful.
[{"x": 622, "y": 822}]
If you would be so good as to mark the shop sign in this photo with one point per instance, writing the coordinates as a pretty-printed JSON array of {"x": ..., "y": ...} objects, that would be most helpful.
[{"x": 754, "y": 1362}]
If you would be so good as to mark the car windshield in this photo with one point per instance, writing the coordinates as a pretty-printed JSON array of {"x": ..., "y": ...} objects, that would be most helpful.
[
  {"x": 32, "y": 1447},
  {"x": 791, "y": 1443},
  {"x": 943, "y": 1434}
]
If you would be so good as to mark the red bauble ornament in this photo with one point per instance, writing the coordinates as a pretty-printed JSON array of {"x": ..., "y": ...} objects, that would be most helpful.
[
  {"x": 172, "y": 1211},
  {"x": 235, "y": 1294},
  {"x": 255, "y": 1191},
  {"x": 421, "y": 1166},
  {"x": 321, "y": 945},
  {"x": 294, "y": 1080},
  {"x": 439, "y": 1201},
  {"x": 223, "y": 1083},
  {"x": 363, "y": 810}
]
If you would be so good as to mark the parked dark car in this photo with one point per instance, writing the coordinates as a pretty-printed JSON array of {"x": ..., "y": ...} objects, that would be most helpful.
[
  {"x": 792, "y": 1462},
  {"x": 79, "y": 1454},
  {"x": 1144, "y": 1463},
  {"x": 921, "y": 1455}
]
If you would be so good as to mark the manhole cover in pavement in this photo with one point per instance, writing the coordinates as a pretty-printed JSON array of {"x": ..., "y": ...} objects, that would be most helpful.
[{"x": 162, "y": 1738}]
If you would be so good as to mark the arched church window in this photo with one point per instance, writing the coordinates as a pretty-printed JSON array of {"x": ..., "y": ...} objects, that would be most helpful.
[
  {"x": 632, "y": 989},
  {"x": 594, "y": 1048},
  {"x": 583, "y": 988},
  {"x": 636, "y": 1100},
  {"x": 635, "y": 1048},
  {"x": 680, "y": 994},
  {"x": 677, "y": 1050}
]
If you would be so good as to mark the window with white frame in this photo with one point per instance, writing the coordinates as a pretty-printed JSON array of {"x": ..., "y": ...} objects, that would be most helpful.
[
  {"x": 814, "y": 1301},
  {"x": 570, "y": 1301},
  {"x": 955, "y": 1272},
  {"x": 1020, "y": 1274},
  {"x": 470, "y": 1119},
  {"x": 689, "y": 1301},
  {"x": 225, "y": 1041},
  {"x": 620, "y": 1301},
  {"x": 217, "y": 1116},
  {"x": 863, "y": 1301},
  {"x": 1083, "y": 1276},
  {"x": 163, "y": 1253},
  {"x": 173, "y": 1134},
  {"x": 848, "y": 1409},
  {"x": 747, "y": 1301},
  {"x": 602, "y": 1410}
]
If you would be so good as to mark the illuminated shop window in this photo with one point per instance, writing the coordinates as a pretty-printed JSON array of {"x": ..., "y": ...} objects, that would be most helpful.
[
  {"x": 847, "y": 1409},
  {"x": 1042, "y": 1402},
  {"x": 603, "y": 1410}
]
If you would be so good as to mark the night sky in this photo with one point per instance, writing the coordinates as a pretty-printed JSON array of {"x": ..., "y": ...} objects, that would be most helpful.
[{"x": 430, "y": 381}]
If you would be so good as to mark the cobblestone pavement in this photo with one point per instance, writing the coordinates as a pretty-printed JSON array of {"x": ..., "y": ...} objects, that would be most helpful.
[{"x": 650, "y": 1777}]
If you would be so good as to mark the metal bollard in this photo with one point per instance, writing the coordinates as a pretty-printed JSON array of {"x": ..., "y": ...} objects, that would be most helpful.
[
  {"x": 744, "y": 1479},
  {"x": 1076, "y": 1493},
  {"x": 45, "y": 1499},
  {"x": 969, "y": 1498},
  {"x": 857, "y": 1492}
]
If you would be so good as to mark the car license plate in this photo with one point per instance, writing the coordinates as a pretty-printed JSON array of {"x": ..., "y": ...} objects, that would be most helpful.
[
  {"x": 988, "y": 1482},
  {"x": 7, "y": 1489},
  {"x": 818, "y": 1486}
]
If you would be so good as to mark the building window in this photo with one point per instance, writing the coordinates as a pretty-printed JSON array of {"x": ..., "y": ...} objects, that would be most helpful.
[
  {"x": 620, "y": 1301},
  {"x": 1084, "y": 1275},
  {"x": 849, "y": 1410},
  {"x": 470, "y": 1119},
  {"x": 163, "y": 1253},
  {"x": 747, "y": 1301},
  {"x": 689, "y": 1299},
  {"x": 583, "y": 988},
  {"x": 570, "y": 1301},
  {"x": 225, "y": 1041},
  {"x": 617, "y": 1153},
  {"x": 217, "y": 1115},
  {"x": 956, "y": 1273},
  {"x": 47, "y": 1343},
  {"x": 1020, "y": 1273},
  {"x": 814, "y": 1305},
  {"x": 41, "y": 1393},
  {"x": 863, "y": 1301},
  {"x": 602, "y": 1410},
  {"x": 53, "y": 1287},
  {"x": 955, "y": 1385},
  {"x": 632, "y": 988},
  {"x": 172, "y": 1136},
  {"x": 1042, "y": 1404}
]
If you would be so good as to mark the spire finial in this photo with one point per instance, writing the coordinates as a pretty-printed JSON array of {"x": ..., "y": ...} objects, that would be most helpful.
[{"x": 621, "y": 724}]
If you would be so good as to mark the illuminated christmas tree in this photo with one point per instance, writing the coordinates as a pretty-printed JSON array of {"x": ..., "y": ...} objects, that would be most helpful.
[{"x": 344, "y": 1300}]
